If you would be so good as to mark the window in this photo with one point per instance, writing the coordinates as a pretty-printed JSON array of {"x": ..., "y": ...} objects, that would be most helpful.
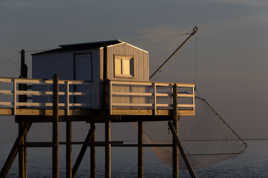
[{"x": 124, "y": 66}]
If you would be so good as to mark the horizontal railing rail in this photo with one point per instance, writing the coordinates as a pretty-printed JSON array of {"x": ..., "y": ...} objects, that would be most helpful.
[
  {"x": 39, "y": 94},
  {"x": 155, "y": 96}
]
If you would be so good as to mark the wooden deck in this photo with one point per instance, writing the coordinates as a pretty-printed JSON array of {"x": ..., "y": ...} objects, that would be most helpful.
[{"x": 123, "y": 98}]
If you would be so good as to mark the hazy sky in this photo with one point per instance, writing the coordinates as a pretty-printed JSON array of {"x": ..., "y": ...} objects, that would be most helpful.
[{"x": 227, "y": 58}]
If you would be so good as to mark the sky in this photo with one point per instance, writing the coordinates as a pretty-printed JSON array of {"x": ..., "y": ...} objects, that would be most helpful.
[{"x": 226, "y": 58}]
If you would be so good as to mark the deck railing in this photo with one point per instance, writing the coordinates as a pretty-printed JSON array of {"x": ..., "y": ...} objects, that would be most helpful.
[
  {"x": 39, "y": 94},
  {"x": 151, "y": 97},
  {"x": 125, "y": 97}
]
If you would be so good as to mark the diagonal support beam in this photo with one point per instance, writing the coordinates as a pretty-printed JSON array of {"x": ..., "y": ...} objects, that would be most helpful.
[
  {"x": 184, "y": 156},
  {"x": 12, "y": 155},
  {"x": 83, "y": 150}
]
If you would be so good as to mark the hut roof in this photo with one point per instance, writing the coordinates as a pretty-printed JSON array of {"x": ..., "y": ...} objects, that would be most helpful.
[{"x": 80, "y": 46}]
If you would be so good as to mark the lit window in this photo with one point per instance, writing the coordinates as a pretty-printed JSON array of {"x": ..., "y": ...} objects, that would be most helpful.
[{"x": 124, "y": 66}]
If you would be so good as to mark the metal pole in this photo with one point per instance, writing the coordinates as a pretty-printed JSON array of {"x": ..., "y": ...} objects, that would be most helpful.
[
  {"x": 55, "y": 148},
  {"x": 195, "y": 29},
  {"x": 140, "y": 150}
]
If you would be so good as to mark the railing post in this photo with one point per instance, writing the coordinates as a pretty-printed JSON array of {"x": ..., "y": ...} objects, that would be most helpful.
[
  {"x": 175, "y": 124},
  {"x": 193, "y": 98},
  {"x": 55, "y": 151},
  {"x": 14, "y": 96},
  {"x": 110, "y": 96},
  {"x": 154, "y": 99},
  {"x": 67, "y": 93}
]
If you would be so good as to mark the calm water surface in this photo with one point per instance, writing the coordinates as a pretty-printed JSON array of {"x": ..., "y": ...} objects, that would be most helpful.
[{"x": 252, "y": 164}]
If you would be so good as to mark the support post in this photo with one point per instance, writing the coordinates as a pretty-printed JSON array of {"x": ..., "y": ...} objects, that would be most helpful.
[
  {"x": 107, "y": 148},
  {"x": 69, "y": 173},
  {"x": 140, "y": 150},
  {"x": 82, "y": 151},
  {"x": 22, "y": 154},
  {"x": 22, "y": 98},
  {"x": 183, "y": 154},
  {"x": 92, "y": 152},
  {"x": 55, "y": 147},
  {"x": 174, "y": 118},
  {"x": 14, "y": 150}
]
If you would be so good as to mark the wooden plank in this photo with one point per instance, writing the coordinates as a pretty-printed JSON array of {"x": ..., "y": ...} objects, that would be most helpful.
[
  {"x": 185, "y": 105},
  {"x": 5, "y": 104},
  {"x": 6, "y": 112},
  {"x": 114, "y": 82},
  {"x": 132, "y": 104},
  {"x": 38, "y": 104},
  {"x": 78, "y": 93},
  {"x": 131, "y": 94},
  {"x": 185, "y": 95},
  {"x": 168, "y": 106},
  {"x": 5, "y": 80},
  {"x": 162, "y": 84},
  {"x": 5, "y": 92},
  {"x": 78, "y": 104},
  {"x": 37, "y": 93},
  {"x": 190, "y": 85},
  {"x": 79, "y": 82},
  {"x": 163, "y": 94},
  {"x": 46, "y": 112}
]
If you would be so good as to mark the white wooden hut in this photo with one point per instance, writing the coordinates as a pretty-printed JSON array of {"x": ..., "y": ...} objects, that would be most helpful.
[{"x": 94, "y": 62}]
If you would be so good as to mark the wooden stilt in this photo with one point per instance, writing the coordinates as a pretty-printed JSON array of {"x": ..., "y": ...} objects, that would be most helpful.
[
  {"x": 69, "y": 173},
  {"x": 22, "y": 98},
  {"x": 175, "y": 152},
  {"x": 55, "y": 148},
  {"x": 183, "y": 153},
  {"x": 92, "y": 152},
  {"x": 82, "y": 151},
  {"x": 140, "y": 150},
  {"x": 22, "y": 153},
  {"x": 175, "y": 166},
  {"x": 14, "y": 150},
  {"x": 107, "y": 148}
]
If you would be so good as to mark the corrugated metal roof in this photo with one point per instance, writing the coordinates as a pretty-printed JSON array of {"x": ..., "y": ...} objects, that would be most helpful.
[{"x": 80, "y": 46}]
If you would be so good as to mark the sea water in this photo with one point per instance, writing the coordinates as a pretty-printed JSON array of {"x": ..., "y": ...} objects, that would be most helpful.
[{"x": 251, "y": 164}]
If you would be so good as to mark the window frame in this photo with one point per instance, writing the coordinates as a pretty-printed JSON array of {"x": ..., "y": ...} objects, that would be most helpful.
[{"x": 131, "y": 60}]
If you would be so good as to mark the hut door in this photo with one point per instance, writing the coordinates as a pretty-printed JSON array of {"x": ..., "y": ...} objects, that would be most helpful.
[
  {"x": 83, "y": 71},
  {"x": 83, "y": 67}
]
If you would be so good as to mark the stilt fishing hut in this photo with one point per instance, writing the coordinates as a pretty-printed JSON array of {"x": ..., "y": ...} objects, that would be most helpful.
[{"x": 100, "y": 82}]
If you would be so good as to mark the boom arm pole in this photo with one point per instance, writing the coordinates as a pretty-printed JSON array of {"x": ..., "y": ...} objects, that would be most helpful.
[{"x": 174, "y": 52}]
